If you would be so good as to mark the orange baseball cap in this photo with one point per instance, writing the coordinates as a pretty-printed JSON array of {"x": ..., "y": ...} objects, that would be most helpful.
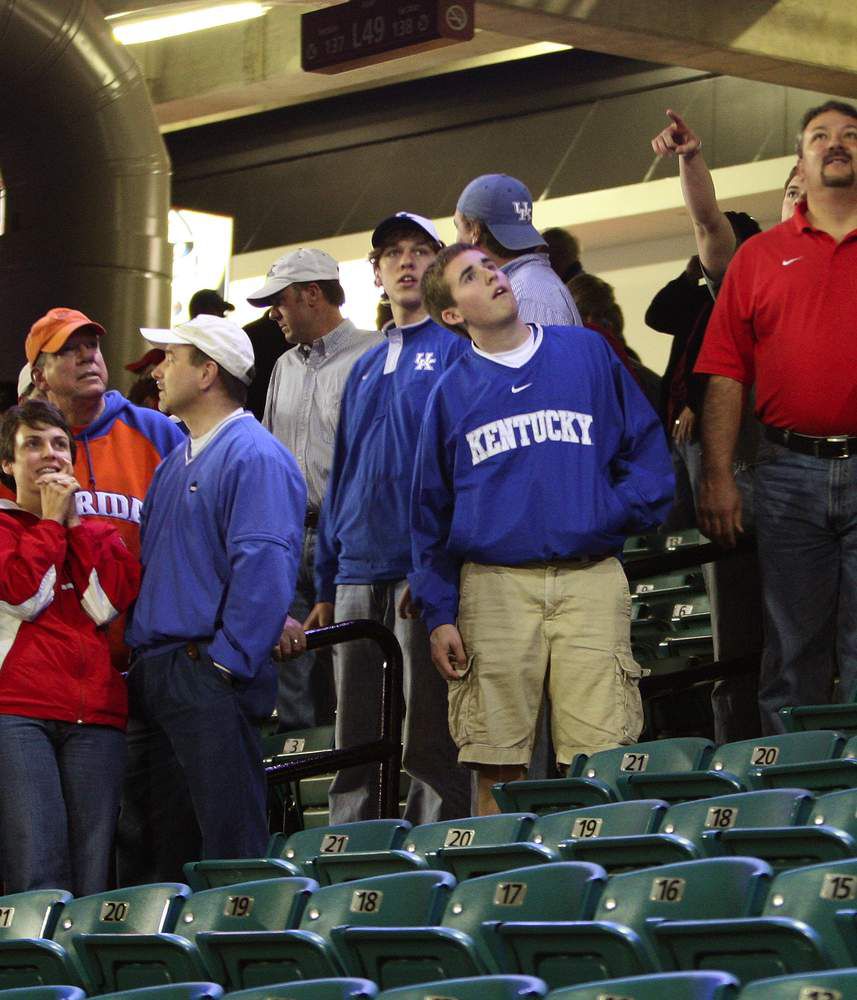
[{"x": 49, "y": 333}]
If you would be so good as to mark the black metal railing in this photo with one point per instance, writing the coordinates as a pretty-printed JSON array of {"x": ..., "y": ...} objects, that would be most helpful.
[{"x": 387, "y": 749}]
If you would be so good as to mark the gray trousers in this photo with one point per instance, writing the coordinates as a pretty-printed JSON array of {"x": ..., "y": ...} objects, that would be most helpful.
[{"x": 440, "y": 788}]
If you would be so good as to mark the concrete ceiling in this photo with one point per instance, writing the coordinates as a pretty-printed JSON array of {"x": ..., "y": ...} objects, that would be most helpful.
[{"x": 254, "y": 66}]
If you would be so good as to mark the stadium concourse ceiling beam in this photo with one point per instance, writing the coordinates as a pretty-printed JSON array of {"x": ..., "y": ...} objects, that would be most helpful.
[
  {"x": 253, "y": 66},
  {"x": 795, "y": 43}
]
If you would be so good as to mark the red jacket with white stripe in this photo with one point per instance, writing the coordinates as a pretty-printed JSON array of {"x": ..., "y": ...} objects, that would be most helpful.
[{"x": 59, "y": 588}]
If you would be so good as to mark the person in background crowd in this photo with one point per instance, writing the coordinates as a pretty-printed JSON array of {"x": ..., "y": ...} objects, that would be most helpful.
[
  {"x": 733, "y": 585},
  {"x": 538, "y": 454},
  {"x": 63, "y": 706},
  {"x": 144, "y": 392},
  {"x": 783, "y": 323},
  {"x": 600, "y": 311},
  {"x": 119, "y": 445},
  {"x": 563, "y": 253},
  {"x": 304, "y": 297},
  {"x": 269, "y": 346},
  {"x": 495, "y": 212},
  {"x": 209, "y": 302},
  {"x": 363, "y": 554},
  {"x": 221, "y": 532}
]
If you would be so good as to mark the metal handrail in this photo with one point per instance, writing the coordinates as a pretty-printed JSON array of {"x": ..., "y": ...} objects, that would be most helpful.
[{"x": 387, "y": 748}]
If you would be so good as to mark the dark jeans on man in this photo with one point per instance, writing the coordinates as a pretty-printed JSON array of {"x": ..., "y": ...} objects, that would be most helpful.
[
  {"x": 195, "y": 785},
  {"x": 59, "y": 798}
]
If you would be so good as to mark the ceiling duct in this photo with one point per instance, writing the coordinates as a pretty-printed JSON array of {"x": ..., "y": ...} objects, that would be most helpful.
[{"x": 87, "y": 180}]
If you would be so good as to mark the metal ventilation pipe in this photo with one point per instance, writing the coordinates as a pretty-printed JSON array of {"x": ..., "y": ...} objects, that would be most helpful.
[{"x": 87, "y": 180}]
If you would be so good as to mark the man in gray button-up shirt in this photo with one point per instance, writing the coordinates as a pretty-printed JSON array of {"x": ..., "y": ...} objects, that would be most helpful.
[{"x": 304, "y": 295}]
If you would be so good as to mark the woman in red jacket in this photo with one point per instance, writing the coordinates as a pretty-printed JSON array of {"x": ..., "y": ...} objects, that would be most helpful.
[{"x": 63, "y": 707}]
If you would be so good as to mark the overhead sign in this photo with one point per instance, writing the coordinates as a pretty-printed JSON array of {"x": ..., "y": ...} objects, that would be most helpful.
[{"x": 363, "y": 32}]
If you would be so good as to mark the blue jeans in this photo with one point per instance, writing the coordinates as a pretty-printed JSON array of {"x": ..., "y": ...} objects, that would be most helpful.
[
  {"x": 59, "y": 799},
  {"x": 195, "y": 785},
  {"x": 806, "y": 524}
]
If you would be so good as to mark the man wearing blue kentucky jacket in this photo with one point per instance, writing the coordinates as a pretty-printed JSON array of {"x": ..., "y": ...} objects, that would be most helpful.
[
  {"x": 538, "y": 454},
  {"x": 222, "y": 531},
  {"x": 363, "y": 552}
]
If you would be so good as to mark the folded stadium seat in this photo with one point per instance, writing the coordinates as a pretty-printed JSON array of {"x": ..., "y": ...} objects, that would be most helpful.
[
  {"x": 619, "y": 939},
  {"x": 661, "y": 986},
  {"x": 242, "y": 961},
  {"x": 603, "y": 777},
  {"x": 828, "y": 833},
  {"x": 296, "y": 854},
  {"x": 464, "y": 943},
  {"x": 478, "y": 988},
  {"x": 44, "y": 993},
  {"x": 841, "y": 716},
  {"x": 736, "y": 767},
  {"x": 424, "y": 846},
  {"x": 554, "y": 836},
  {"x": 117, "y": 961},
  {"x": 278, "y": 747},
  {"x": 311, "y": 989},
  {"x": 834, "y": 985},
  {"x": 692, "y": 830},
  {"x": 818, "y": 774},
  {"x": 174, "y": 991},
  {"x": 650, "y": 625},
  {"x": 39, "y": 961},
  {"x": 807, "y": 923},
  {"x": 680, "y": 584}
]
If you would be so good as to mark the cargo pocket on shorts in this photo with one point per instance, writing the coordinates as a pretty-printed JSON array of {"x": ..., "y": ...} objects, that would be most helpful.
[
  {"x": 461, "y": 695},
  {"x": 629, "y": 704}
]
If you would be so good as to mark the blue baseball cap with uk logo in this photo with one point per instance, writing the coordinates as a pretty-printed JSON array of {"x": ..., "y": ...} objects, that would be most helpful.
[{"x": 505, "y": 206}]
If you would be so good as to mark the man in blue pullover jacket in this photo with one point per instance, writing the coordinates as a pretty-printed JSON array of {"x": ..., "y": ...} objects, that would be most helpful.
[
  {"x": 538, "y": 454},
  {"x": 222, "y": 530},
  {"x": 363, "y": 552}
]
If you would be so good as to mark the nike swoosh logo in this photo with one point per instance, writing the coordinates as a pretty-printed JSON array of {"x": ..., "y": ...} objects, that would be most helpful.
[
  {"x": 791, "y": 260},
  {"x": 520, "y": 388}
]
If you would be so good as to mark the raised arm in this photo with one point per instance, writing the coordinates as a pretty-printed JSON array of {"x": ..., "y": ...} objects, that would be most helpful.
[{"x": 715, "y": 239}]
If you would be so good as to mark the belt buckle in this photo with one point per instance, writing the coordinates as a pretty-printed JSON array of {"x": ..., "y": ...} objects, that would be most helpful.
[{"x": 840, "y": 439}]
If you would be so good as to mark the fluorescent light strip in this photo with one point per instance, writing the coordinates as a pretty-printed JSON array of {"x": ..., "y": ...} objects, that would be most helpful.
[{"x": 153, "y": 28}]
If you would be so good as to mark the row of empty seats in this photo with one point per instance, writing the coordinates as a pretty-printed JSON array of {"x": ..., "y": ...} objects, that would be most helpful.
[
  {"x": 713, "y": 985},
  {"x": 564, "y": 922}
]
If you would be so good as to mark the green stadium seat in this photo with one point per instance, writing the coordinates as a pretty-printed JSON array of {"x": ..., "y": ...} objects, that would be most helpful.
[
  {"x": 44, "y": 992},
  {"x": 32, "y": 914},
  {"x": 806, "y": 924},
  {"x": 841, "y": 716},
  {"x": 828, "y": 833},
  {"x": 465, "y": 942},
  {"x": 619, "y": 941},
  {"x": 737, "y": 767},
  {"x": 242, "y": 961},
  {"x": 692, "y": 830},
  {"x": 117, "y": 961},
  {"x": 296, "y": 854},
  {"x": 278, "y": 747},
  {"x": 660, "y": 986},
  {"x": 311, "y": 989},
  {"x": 174, "y": 991},
  {"x": 557, "y": 837},
  {"x": 604, "y": 776},
  {"x": 141, "y": 909},
  {"x": 833, "y": 985},
  {"x": 817, "y": 774},
  {"x": 681, "y": 584},
  {"x": 478, "y": 988},
  {"x": 444, "y": 846}
]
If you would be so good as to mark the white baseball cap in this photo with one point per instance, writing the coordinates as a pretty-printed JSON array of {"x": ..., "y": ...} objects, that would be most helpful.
[
  {"x": 25, "y": 379},
  {"x": 404, "y": 219},
  {"x": 306, "y": 264},
  {"x": 219, "y": 338}
]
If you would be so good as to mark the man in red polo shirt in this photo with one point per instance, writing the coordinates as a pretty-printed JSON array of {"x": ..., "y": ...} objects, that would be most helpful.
[{"x": 785, "y": 322}]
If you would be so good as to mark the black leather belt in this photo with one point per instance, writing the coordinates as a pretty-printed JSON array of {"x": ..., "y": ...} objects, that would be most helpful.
[
  {"x": 311, "y": 519},
  {"x": 836, "y": 446}
]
